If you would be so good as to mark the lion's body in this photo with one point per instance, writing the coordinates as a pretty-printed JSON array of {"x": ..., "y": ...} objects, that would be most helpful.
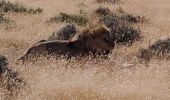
[
  {"x": 89, "y": 41},
  {"x": 57, "y": 48}
]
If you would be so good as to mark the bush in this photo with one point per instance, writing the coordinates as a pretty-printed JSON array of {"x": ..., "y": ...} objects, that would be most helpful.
[
  {"x": 159, "y": 50},
  {"x": 63, "y": 17},
  {"x": 35, "y": 11},
  {"x": 3, "y": 64},
  {"x": 3, "y": 19},
  {"x": 6, "y": 6},
  {"x": 132, "y": 19},
  {"x": 110, "y": 20},
  {"x": 161, "y": 46},
  {"x": 103, "y": 11},
  {"x": 109, "y": 1},
  {"x": 64, "y": 33},
  {"x": 106, "y": 14},
  {"x": 9, "y": 79},
  {"x": 125, "y": 32},
  {"x": 121, "y": 24}
]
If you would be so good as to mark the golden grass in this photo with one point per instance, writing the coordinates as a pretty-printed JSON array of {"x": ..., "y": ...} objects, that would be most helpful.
[{"x": 120, "y": 78}]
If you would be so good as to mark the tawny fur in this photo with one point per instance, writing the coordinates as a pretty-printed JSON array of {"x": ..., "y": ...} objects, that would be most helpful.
[{"x": 89, "y": 40}]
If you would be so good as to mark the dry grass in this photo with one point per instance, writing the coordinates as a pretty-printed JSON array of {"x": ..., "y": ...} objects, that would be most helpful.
[{"x": 121, "y": 77}]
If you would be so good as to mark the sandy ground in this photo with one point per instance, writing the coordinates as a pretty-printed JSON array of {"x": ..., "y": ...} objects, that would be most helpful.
[{"x": 120, "y": 78}]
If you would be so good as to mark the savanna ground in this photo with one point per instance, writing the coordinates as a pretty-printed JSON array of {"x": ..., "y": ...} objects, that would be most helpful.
[{"x": 121, "y": 77}]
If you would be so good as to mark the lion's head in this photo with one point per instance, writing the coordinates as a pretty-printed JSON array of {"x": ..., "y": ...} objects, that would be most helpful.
[{"x": 96, "y": 38}]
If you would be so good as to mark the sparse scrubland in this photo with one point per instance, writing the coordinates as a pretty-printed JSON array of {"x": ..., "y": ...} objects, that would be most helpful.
[
  {"x": 7, "y": 6},
  {"x": 138, "y": 68}
]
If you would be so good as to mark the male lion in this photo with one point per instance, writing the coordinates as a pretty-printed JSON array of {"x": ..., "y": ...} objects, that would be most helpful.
[{"x": 84, "y": 43}]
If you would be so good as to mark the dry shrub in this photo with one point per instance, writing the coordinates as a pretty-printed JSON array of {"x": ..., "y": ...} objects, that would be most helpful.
[
  {"x": 3, "y": 19},
  {"x": 63, "y": 17},
  {"x": 6, "y": 6},
  {"x": 34, "y": 11},
  {"x": 102, "y": 11},
  {"x": 6, "y": 23},
  {"x": 109, "y": 1},
  {"x": 65, "y": 33},
  {"x": 120, "y": 15},
  {"x": 127, "y": 35},
  {"x": 159, "y": 50},
  {"x": 120, "y": 24},
  {"x": 3, "y": 63},
  {"x": 9, "y": 82}
]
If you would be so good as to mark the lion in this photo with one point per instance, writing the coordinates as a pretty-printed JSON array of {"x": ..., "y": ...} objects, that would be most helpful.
[{"x": 84, "y": 43}]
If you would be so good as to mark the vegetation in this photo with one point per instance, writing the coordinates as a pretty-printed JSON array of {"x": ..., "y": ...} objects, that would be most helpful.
[
  {"x": 64, "y": 33},
  {"x": 6, "y": 6},
  {"x": 121, "y": 15},
  {"x": 63, "y": 17},
  {"x": 3, "y": 19},
  {"x": 103, "y": 11},
  {"x": 160, "y": 50},
  {"x": 3, "y": 63},
  {"x": 127, "y": 34},
  {"x": 109, "y": 1},
  {"x": 10, "y": 81},
  {"x": 121, "y": 25}
]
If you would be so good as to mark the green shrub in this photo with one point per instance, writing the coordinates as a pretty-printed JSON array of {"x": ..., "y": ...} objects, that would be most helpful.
[
  {"x": 63, "y": 17},
  {"x": 6, "y": 6}
]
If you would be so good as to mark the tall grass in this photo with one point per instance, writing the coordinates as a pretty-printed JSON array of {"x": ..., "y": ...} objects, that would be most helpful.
[{"x": 121, "y": 77}]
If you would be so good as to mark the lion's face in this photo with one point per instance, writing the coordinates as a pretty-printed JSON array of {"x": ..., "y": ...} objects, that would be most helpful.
[
  {"x": 103, "y": 39},
  {"x": 98, "y": 38}
]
